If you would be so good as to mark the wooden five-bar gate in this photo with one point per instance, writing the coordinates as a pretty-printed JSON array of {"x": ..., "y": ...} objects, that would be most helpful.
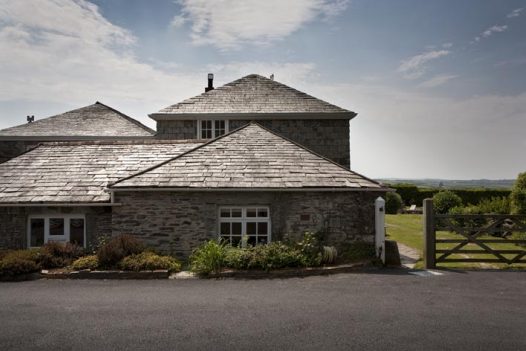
[{"x": 472, "y": 236}]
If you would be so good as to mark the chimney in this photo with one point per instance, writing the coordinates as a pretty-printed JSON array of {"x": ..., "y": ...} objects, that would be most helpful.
[
  {"x": 30, "y": 119},
  {"x": 272, "y": 76},
  {"x": 210, "y": 82}
]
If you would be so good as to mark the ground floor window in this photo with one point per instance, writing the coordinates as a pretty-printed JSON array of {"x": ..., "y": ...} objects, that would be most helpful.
[
  {"x": 56, "y": 227},
  {"x": 235, "y": 222}
]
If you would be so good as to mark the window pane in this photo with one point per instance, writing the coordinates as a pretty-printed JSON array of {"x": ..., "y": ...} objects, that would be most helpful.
[
  {"x": 37, "y": 232},
  {"x": 262, "y": 239},
  {"x": 76, "y": 231},
  {"x": 262, "y": 228},
  {"x": 208, "y": 134},
  {"x": 262, "y": 212},
  {"x": 236, "y": 228},
  {"x": 225, "y": 212},
  {"x": 251, "y": 212},
  {"x": 251, "y": 228},
  {"x": 225, "y": 228},
  {"x": 235, "y": 240},
  {"x": 56, "y": 226},
  {"x": 236, "y": 212},
  {"x": 251, "y": 240}
]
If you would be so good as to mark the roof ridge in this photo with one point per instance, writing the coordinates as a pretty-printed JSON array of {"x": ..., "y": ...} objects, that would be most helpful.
[
  {"x": 178, "y": 156},
  {"x": 128, "y": 118},
  {"x": 315, "y": 153}
]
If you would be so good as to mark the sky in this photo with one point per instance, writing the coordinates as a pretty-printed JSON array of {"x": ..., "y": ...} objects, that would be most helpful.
[{"x": 439, "y": 85}]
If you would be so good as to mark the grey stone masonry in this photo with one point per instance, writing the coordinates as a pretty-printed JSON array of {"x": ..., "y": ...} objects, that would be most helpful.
[
  {"x": 327, "y": 137},
  {"x": 177, "y": 222},
  {"x": 13, "y": 223}
]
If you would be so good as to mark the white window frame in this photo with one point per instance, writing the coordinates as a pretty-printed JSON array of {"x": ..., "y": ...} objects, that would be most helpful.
[
  {"x": 199, "y": 128},
  {"x": 47, "y": 238},
  {"x": 244, "y": 220}
]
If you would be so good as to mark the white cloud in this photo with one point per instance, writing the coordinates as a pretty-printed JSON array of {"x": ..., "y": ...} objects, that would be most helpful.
[
  {"x": 227, "y": 24},
  {"x": 495, "y": 29},
  {"x": 407, "y": 134},
  {"x": 515, "y": 13},
  {"x": 437, "y": 81},
  {"x": 447, "y": 45},
  {"x": 415, "y": 67},
  {"x": 75, "y": 56}
]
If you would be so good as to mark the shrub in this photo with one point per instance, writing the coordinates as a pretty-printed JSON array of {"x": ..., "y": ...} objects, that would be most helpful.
[
  {"x": 56, "y": 254},
  {"x": 111, "y": 253},
  {"x": 393, "y": 203},
  {"x": 329, "y": 255},
  {"x": 443, "y": 201},
  {"x": 357, "y": 250},
  {"x": 276, "y": 255},
  {"x": 495, "y": 205},
  {"x": 311, "y": 247},
  {"x": 208, "y": 258},
  {"x": 86, "y": 262},
  {"x": 237, "y": 258},
  {"x": 18, "y": 262},
  {"x": 518, "y": 195},
  {"x": 149, "y": 261}
]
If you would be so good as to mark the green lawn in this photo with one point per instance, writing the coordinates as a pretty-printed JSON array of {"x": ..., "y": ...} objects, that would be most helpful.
[{"x": 407, "y": 229}]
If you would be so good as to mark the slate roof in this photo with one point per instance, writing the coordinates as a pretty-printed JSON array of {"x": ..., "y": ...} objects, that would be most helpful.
[
  {"x": 97, "y": 120},
  {"x": 253, "y": 94},
  {"x": 79, "y": 172},
  {"x": 249, "y": 157}
]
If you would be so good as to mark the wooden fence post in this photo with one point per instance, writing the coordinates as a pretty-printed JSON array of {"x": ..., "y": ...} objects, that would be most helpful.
[{"x": 429, "y": 235}]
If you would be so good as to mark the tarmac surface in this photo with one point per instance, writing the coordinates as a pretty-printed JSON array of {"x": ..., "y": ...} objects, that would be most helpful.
[{"x": 389, "y": 309}]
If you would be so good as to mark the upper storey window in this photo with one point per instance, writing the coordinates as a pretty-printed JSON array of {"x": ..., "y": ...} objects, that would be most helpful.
[{"x": 210, "y": 129}]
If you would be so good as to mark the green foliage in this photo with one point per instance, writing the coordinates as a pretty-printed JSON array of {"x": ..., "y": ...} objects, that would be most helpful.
[
  {"x": 54, "y": 254},
  {"x": 311, "y": 247},
  {"x": 19, "y": 262},
  {"x": 86, "y": 262},
  {"x": 413, "y": 195},
  {"x": 518, "y": 195},
  {"x": 393, "y": 203},
  {"x": 274, "y": 255},
  {"x": 329, "y": 255},
  {"x": 357, "y": 251},
  {"x": 208, "y": 258},
  {"x": 111, "y": 253},
  {"x": 149, "y": 261},
  {"x": 443, "y": 201}
]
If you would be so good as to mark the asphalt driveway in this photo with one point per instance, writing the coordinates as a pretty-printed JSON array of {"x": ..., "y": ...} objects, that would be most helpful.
[{"x": 378, "y": 310}]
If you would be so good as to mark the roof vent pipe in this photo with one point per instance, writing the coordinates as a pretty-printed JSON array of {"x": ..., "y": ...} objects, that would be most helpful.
[{"x": 210, "y": 82}]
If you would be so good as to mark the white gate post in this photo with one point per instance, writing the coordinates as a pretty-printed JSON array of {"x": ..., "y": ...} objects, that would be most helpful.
[{"x": 379, "y": 217}]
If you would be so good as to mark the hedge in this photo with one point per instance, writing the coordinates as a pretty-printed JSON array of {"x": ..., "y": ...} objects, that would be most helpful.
[{"x": 412, "y": 195}]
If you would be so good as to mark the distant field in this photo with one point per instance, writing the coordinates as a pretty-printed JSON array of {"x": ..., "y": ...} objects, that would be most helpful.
[
  {"x": 454, "y": 184},
  {"x": 407, "y": 229}
]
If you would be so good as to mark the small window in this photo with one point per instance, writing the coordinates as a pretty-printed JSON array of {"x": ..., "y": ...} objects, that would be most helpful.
[
  {"x": 208, "y": 129},
  {"x": 57, "y": 228},
  {"x": 252, "y": 222}
]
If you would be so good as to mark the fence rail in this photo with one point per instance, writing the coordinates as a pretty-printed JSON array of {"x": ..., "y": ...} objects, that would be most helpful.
[{"x": 473, "y": 232}]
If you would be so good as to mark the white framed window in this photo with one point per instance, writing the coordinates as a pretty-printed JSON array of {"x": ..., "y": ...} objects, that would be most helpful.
[
  {"x": 42, "y": 229},
  {"x": 210, "y": 129},
  {"x": 252, "y": 221}
]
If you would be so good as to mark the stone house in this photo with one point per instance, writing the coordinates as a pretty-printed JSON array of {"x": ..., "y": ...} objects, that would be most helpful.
[
  {"x": 253, "y": 157},
  {"x": 93, "y": 122}
]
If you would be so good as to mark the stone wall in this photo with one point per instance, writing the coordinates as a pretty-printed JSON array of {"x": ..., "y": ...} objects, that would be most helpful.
[
  {"x": 177, "y": 222},
  {"x": 13, "y": 223},
  {"x": 13, "y": 148},
  {"x": 328, "y": 137}
]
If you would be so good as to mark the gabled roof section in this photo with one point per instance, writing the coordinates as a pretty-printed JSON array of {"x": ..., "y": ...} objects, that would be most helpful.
[
  {"x": 79, "y": 172},
  {"x": 251, "y": 158},
  {"x": 97, "y": 120},
  {"x": 254, "y": 96}
]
